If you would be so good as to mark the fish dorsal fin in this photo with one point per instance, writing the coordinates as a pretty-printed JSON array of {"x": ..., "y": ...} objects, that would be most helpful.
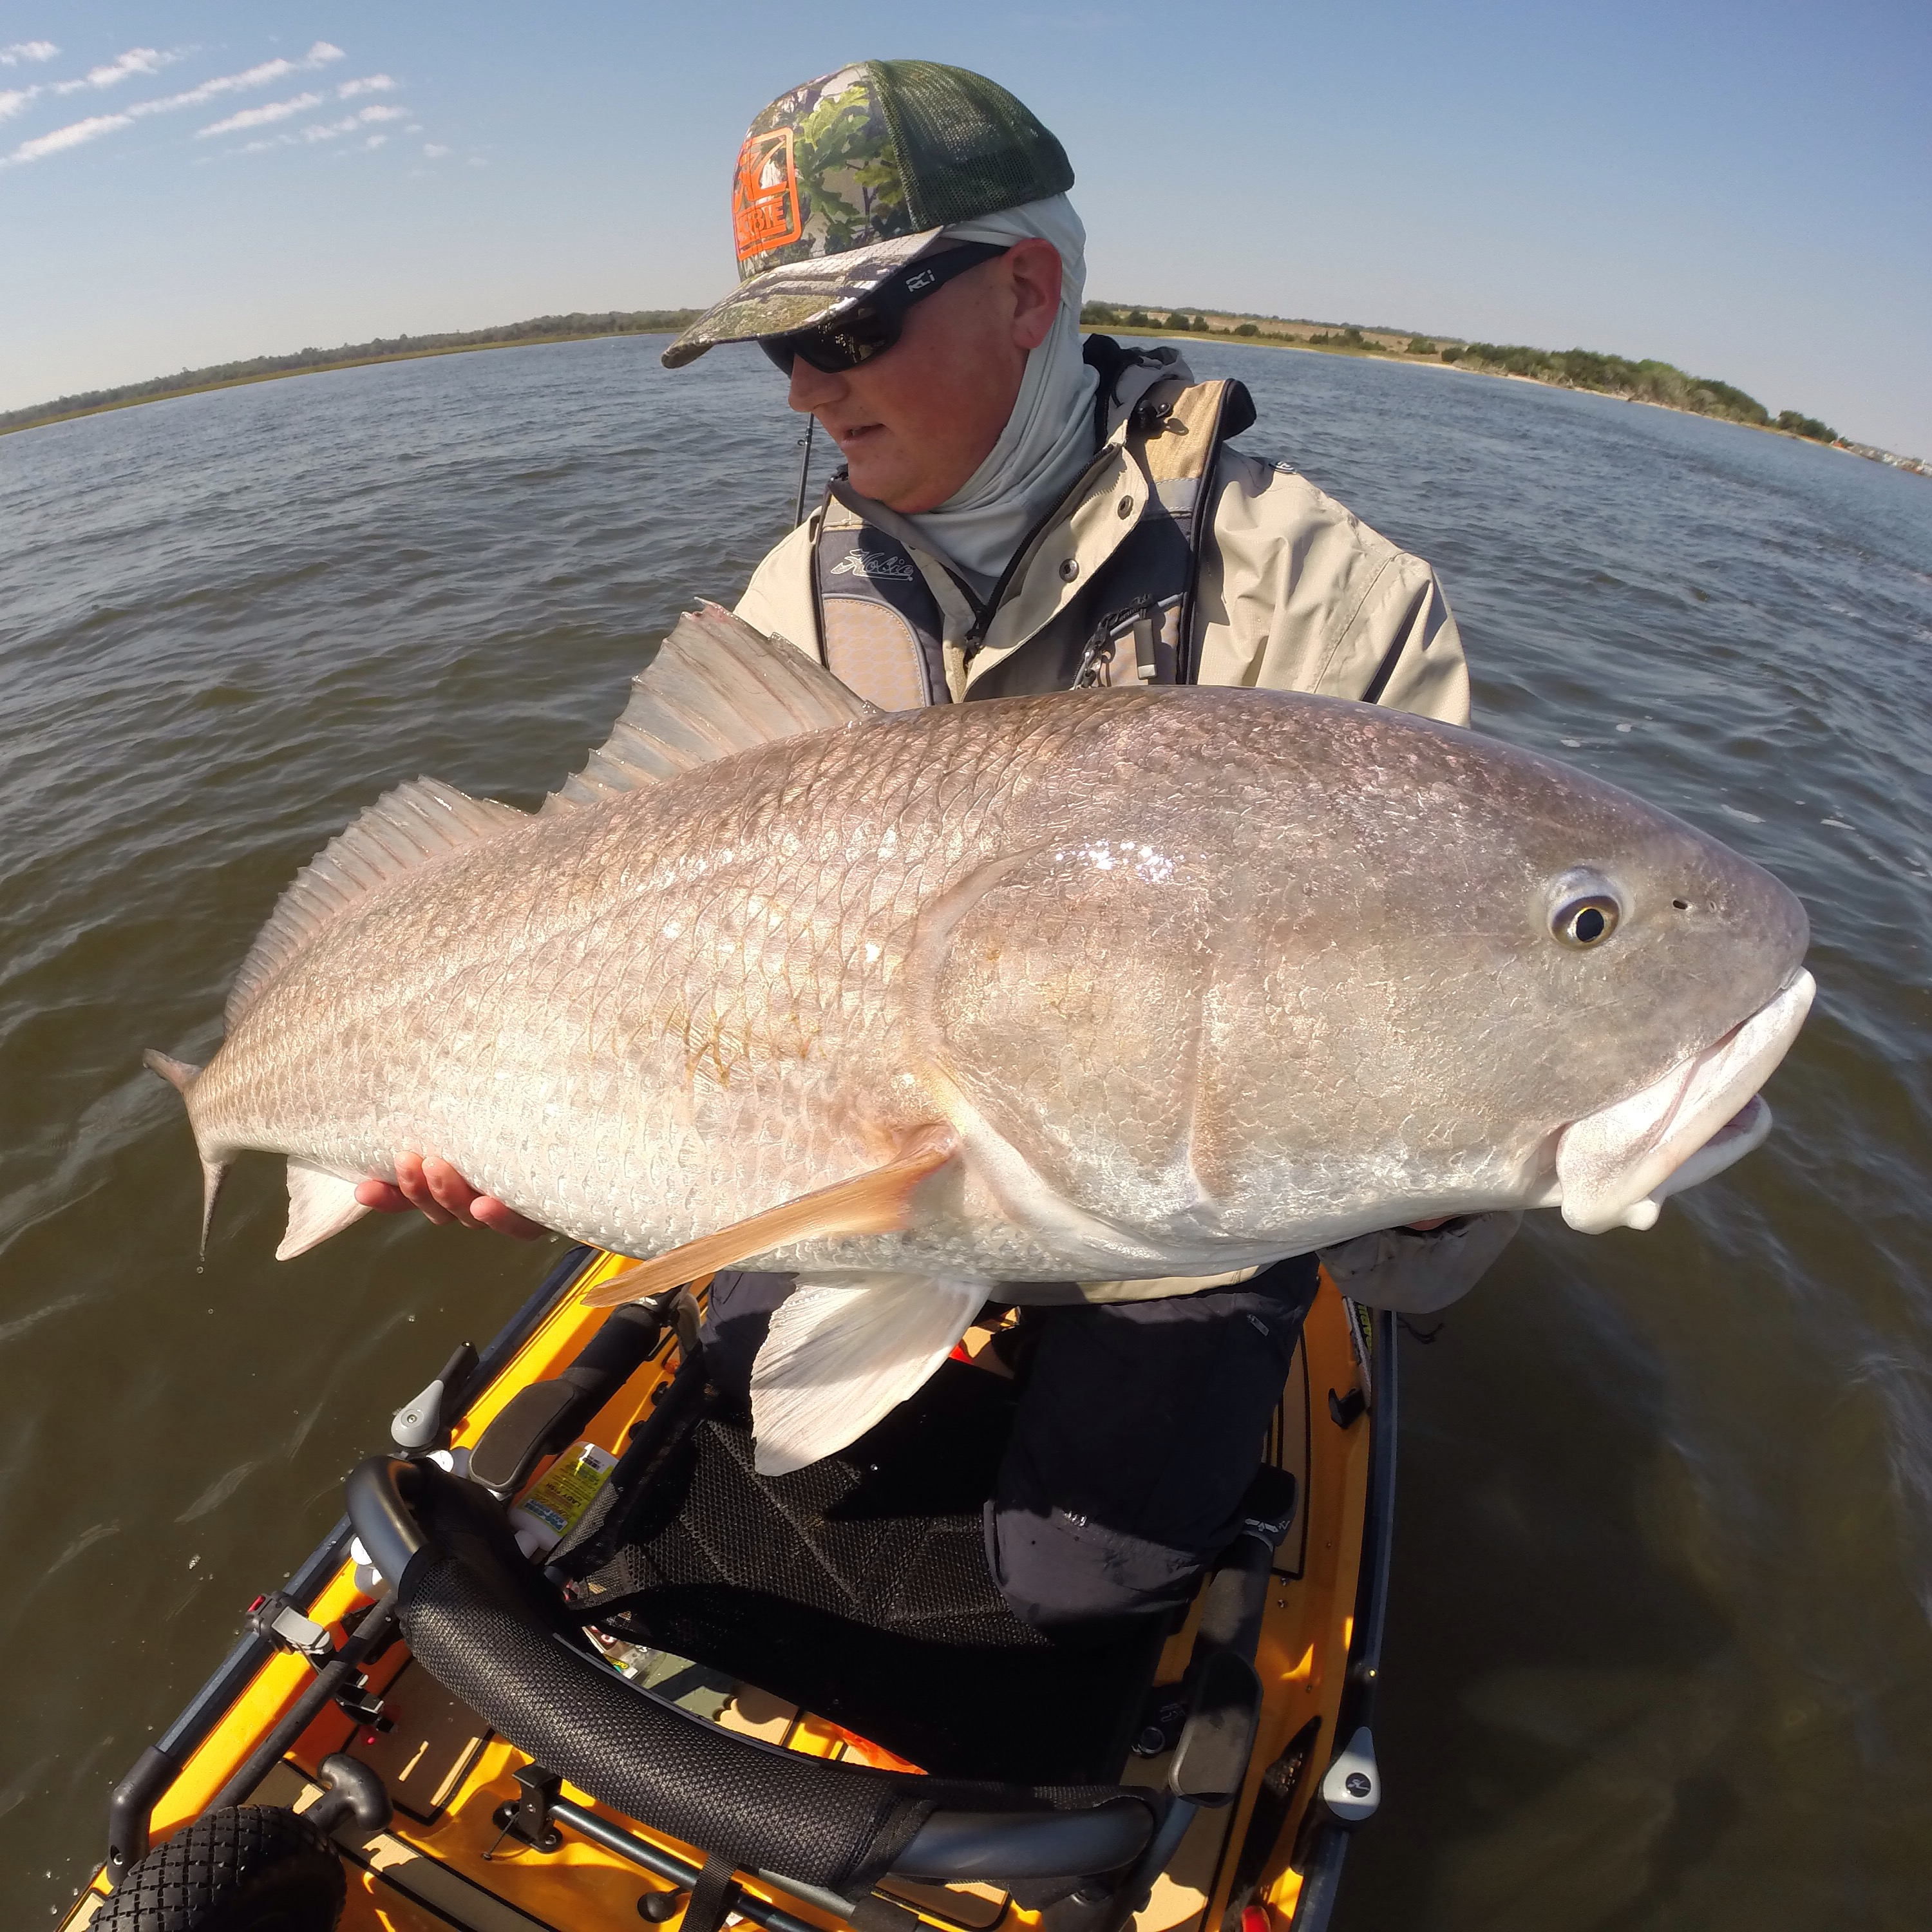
[
  {"x": 408, "y": 827},
  {"x": 716, "y": 686}
]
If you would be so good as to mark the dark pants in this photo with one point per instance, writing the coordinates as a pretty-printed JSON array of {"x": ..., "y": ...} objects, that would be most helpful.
[{"x": 1140, "y": 1428}]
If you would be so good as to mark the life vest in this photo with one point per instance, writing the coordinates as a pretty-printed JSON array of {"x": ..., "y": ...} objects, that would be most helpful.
[{"x": 1132, "y": 622}]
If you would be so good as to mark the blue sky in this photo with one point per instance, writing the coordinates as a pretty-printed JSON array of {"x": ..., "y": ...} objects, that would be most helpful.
[{"x": 1745, "y": 190}]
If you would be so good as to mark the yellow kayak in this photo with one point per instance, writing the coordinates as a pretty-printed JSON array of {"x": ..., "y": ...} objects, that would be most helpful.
[{"x": 568, "y": 1663}]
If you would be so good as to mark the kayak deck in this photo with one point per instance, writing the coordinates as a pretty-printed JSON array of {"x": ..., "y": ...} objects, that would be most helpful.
[{"x": 446, "y": 1858}]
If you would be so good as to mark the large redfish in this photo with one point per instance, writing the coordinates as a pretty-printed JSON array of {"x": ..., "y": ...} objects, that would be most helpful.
[{"x": 1091, "y": 985}]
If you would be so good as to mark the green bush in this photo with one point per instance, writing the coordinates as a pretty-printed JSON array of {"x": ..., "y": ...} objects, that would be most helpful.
[
  {"x": 1452, "y": 352},
  {"x": 1792, "y": 423},
  {"x": 1646, "y": 382},
  {"x": 1098, "y": 313},
  {"x": 1247, "y": 329},
  {"x": 1137, "y": 318},
  {"x": 1420, "y": 345}
]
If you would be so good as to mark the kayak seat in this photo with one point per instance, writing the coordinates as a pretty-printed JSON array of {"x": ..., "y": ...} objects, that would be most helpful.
[
  {"x": 858, "y": 1588},
  {"x": 488, "y": 1627}
]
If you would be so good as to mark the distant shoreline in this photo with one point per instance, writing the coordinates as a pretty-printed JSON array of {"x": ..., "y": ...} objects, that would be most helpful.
[
  {"x": 1377, "y": 344},
  {"x": 1615, "y": 376},
  {"x": 576, "y": 327}
]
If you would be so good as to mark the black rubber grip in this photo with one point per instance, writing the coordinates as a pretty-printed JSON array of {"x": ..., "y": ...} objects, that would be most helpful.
[{"x": 545, "y": 1416}]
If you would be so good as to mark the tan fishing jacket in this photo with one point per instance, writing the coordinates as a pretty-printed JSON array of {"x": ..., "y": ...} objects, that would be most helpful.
[
  {"x": 1294, "y": 593},
  {"x": 1297, "y": 593}
]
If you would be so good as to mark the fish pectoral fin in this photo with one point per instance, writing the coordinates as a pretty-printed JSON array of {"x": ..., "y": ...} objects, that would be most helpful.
[
  {"x": 320, "y": 1204},
  {"x": 842, "y": 1352},
  {"x": 876, "y": 1202}
]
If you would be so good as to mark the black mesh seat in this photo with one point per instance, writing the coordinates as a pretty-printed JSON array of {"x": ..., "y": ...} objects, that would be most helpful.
[
  {"x": 858, "y": 1589},
  {"x": 487, "y": 1626}
]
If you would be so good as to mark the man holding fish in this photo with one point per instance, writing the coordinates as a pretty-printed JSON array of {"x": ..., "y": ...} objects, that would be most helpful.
[{"x": 1022, "y": 514}]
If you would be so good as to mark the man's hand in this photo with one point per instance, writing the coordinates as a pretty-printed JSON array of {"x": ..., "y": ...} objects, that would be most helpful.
[{"x": 435, "y": 1187}]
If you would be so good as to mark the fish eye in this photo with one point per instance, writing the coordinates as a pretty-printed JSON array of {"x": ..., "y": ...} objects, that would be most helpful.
[{"x": 1585, "y": 921}]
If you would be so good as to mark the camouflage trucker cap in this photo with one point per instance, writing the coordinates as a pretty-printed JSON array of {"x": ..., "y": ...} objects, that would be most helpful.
[{"x": 843, "y": 180}]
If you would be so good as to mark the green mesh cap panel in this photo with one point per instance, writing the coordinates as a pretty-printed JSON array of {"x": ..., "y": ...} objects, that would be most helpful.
[{"x": 966, "y": 147}]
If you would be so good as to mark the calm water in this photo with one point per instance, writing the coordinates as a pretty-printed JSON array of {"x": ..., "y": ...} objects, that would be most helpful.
[{"x": 1659, "y": 1654}]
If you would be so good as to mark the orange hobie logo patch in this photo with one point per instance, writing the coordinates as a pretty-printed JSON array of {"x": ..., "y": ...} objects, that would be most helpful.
[{"x": 765, "y": 213}]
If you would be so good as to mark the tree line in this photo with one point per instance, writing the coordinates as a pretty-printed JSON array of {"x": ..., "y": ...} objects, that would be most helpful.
[
  {"x": 1648, "y": 381},
  {"x": 577, "y": 326}
]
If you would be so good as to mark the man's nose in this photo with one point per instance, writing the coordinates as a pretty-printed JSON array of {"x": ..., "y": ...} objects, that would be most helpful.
[{"x": 812, "y": 389}]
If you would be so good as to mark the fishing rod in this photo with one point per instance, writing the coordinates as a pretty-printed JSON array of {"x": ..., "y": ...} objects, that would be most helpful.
[{"x": 804, "y": 470}]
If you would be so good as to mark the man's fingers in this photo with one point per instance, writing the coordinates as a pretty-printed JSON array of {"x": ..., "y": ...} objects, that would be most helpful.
[
  {"x": 491, "y": 1212},
  {"x": 414, "y": 1185},
  {"x": 435, "y": 1187},
  {"x": 450, "y": 1191}
]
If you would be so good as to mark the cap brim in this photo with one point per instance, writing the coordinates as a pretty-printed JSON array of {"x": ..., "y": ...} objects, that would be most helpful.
[{"x": 796, "y": 295}]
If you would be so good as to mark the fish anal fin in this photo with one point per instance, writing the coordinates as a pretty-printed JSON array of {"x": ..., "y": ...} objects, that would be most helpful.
[
  {"x": 415, "y": 825},
  {"x": 320, "y": 1204},
  {"x": 842, "y": 1352},
  {"x": 716, "y": 686},
  {"x": 876, "y": 1202}
]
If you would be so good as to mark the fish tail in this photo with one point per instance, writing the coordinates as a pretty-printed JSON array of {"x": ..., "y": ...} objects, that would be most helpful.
[{"x": 180, "y": 1076}]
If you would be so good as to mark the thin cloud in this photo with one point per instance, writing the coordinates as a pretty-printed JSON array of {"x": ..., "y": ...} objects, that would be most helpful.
[
  {"x": 75, "y": 135},
  {"x": 321, "y": 55},
  {"x": 330, "y": 131},
  {"x": 434, "y": 151},
  {"x": 12, "y": 99},
  {"x": 375, "y": 140},
  {"x": 125, "y": 66},
  {"x": 135, "y": 60},
  {"x": 261, "y": 117},
  {"x": 22, "y": 52},
  {"x": 372, "y": 83}
]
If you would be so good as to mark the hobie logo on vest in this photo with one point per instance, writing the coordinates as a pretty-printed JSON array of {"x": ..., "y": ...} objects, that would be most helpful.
[
  {"x": 765, "y": 213},
  {"x": 874, "y": 563}
]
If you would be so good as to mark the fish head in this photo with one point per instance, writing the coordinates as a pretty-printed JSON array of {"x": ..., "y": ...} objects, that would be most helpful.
[
  {"x": 1556, "y": 994},
  {"x": 1668, "y": 977}
]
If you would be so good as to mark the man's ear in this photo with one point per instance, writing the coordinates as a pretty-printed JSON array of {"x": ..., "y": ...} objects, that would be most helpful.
[{"x": 1033, "y": 267}]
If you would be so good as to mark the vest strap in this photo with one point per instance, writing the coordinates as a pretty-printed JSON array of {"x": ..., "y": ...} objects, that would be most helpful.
[
  {"x": 878, "y": 620},
  {"x": 1132, "y": 623}
]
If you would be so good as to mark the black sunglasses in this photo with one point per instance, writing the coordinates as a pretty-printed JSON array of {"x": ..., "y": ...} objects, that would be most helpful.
[{"x": 873, "y": 325}]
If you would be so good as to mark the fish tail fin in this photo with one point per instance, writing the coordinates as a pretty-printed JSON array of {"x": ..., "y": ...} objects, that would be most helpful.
[{"x": 181, "y": 1075}]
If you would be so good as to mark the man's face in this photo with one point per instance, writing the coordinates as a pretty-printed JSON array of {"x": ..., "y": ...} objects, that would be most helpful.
[{"x": 914, "y": 423}]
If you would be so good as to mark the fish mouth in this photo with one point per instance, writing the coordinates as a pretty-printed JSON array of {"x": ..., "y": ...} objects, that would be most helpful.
[{"x": 1615, "y": 1167}]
